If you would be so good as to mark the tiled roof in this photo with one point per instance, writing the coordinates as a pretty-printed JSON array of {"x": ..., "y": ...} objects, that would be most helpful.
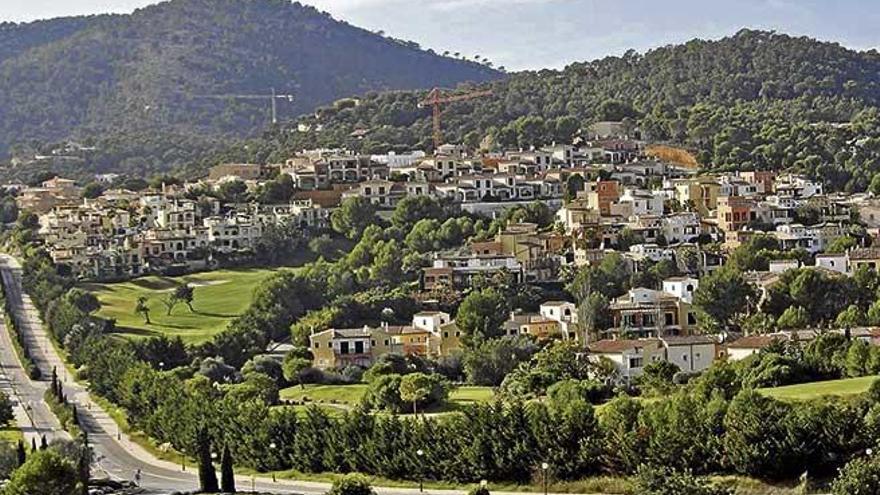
[{"x": 617, "y": 346}]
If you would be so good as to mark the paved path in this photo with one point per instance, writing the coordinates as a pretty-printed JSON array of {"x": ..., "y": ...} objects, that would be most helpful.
[{"x": 117, "y": 456}]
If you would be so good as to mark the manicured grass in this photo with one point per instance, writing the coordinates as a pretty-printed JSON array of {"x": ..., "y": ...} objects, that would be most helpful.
[
  {"x": 219, "y": 296},
  {"x": 350, "y": 395},
  {"x": 11, "y": 435},
  {"x": 341, "y": 394},
  {"x": 806, "y": 391},
  {"x": 471, "y": 394}
]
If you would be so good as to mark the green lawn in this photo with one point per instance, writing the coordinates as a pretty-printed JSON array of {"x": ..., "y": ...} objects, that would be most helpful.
[
  {"x": 350, "y": 395},
  {"x": 10, "y": 435},
  {"x": 341, "y": 394},
  {"x": 806, "y": 391},
  {"x": 219, "y": 296}
]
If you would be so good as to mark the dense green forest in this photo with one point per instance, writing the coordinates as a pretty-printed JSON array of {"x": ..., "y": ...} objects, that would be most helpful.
[
  {"x": 753, "y": 100},
  {"x": 149, "y": 75}
]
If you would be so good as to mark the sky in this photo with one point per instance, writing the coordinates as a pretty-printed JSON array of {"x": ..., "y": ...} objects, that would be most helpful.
[{"x": 535, "y": 34}]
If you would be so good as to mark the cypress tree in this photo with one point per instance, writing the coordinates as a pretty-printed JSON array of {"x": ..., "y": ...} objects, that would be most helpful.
[
  {"x": 55, "y": 381},
  {"x": 207, "y": 475},
  {"x": 33, "y": 444},
  {"x": 43, "y": 443},
  {"x": 227, "y": 475},
  {"x": 83, "y": 468},
  {"x": 75, "y": 416},
  {"x": 22, "y": 455}
]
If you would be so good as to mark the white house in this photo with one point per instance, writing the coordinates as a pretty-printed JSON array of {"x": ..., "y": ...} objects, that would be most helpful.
[
  {"x": 682, "y": 287},
  {"x": 692, "y": 353},
  {"x": 431, "y": 320},
  {"x": 628, "y": 356},
  {"x": 563, "y": 312},
  {"x": 834, "y": 262}
]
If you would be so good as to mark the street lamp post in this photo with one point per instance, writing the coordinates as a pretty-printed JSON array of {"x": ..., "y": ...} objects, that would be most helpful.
[
  {"x": 273, "y": 446},
  {"x": 420, "y": 453},
  {"x": 544, "y": 467}
]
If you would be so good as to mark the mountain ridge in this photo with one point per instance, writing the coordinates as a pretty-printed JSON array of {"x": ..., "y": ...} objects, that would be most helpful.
[{"x": 83, "y": 76}]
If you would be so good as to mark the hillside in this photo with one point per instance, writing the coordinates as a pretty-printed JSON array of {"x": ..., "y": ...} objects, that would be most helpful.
[
  {"x": 746, "y": 101},
  {"x": 148, "y": 73}
]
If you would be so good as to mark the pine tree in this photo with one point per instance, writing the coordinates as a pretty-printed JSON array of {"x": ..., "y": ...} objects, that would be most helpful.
[
  {"x": 227, "y": 475},
  {"x": 22, "y": 455}
]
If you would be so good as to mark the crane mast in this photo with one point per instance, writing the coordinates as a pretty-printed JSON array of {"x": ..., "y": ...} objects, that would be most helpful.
[
  {"x": 436, "y": 99},
  {"x": 273, "y": 98}
]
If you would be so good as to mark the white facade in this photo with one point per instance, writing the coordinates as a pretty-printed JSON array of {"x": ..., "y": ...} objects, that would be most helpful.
[
  {"x": 834, "y": 262},
  {"x": 431, "y": 320},
  {"x": 690, "y": 354},
  {"x": 682, "y": 287},
  {"x": 642, "y": 202}
]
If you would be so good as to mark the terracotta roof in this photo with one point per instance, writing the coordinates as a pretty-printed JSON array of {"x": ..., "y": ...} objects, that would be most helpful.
[
  {"x": 688, "y": 340},
  {"x": 865, "y": 254},
  {"x": 755, "y": 341},
  {"x": 555, "y": 303},
  {"x": 617, "y": 346}
]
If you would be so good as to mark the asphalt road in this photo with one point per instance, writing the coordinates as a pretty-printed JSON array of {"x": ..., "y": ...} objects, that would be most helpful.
[{"x": 117, "y": 457}]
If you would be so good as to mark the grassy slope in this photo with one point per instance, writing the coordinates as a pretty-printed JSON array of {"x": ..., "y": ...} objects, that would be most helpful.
[
  {"x": 349, "y": 395},
  {"x": 806, "y": 391},
  {"x": 219, "y": 297}
]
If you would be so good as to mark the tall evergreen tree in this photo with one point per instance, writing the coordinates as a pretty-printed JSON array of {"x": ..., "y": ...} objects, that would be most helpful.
[
  {"x": 20, "y": 452},
  {"x": 84, "y": 464},
  {"x": 227, "y": 475},
  {"x": 207, "y": 474}
]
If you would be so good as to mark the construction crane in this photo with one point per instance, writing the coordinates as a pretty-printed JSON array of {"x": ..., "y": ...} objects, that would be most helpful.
[
  {"x": 274, "y": 97},
  {"x": 435, "y": 99}
]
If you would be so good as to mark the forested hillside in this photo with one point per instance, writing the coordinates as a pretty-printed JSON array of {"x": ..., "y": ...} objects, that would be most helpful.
[
  {"x": 158, "y": 71},
  {"x": 753, "y": 100}
]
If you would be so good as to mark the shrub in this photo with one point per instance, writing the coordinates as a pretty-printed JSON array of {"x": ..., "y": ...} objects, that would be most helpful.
[
  {"x": 860, "y": 477},
  {"x": 352, "y": 484},
  {"x": 667, "y": 481}
]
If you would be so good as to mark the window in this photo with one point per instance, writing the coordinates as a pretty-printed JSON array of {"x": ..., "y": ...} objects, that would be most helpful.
[
  {"x": 635, "y": 362},
  {"x": 359, "y": 347},
  {"x": 445, "y": 335},
  {"x": 343, "y": 347},
  {"x": 386, "y": 342},
  {"x": 684, "y": 358},
  {"x": 317, "y": 345},
  {"x": 373, "y": 343}
]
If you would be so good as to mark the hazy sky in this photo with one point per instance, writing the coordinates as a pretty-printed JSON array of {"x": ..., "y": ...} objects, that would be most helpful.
[{"x": 530, "y": 34}]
